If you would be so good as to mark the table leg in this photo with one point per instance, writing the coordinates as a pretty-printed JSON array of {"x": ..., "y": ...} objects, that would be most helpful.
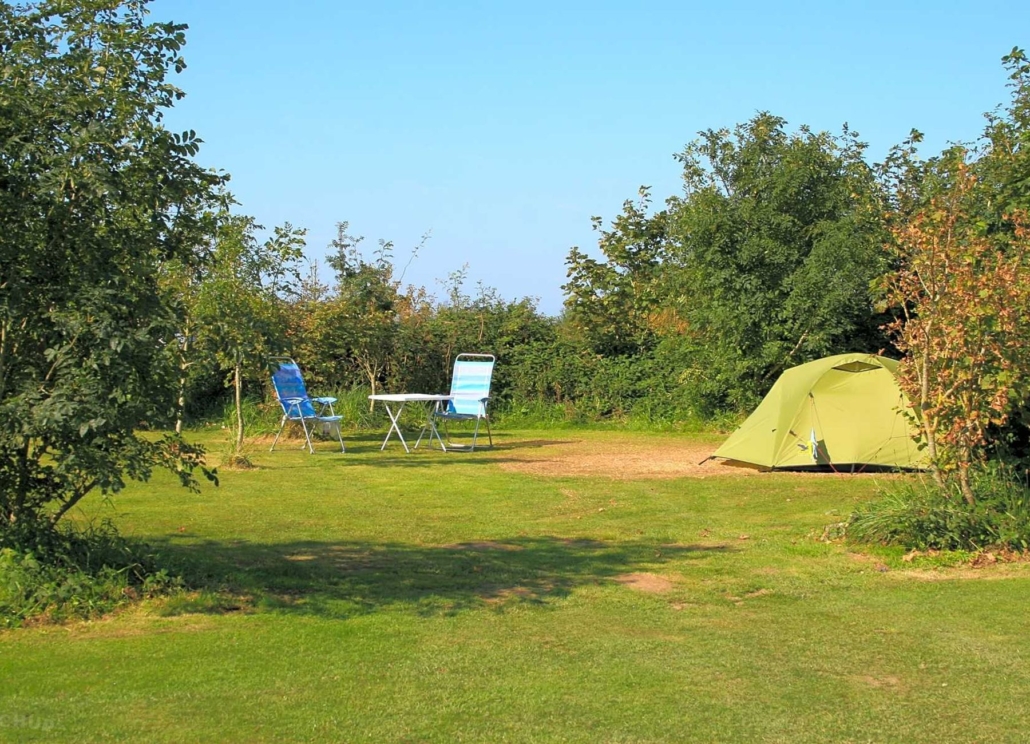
[
  {"x": 394, "y": 427},
  {"x": 431, "y": 427}
]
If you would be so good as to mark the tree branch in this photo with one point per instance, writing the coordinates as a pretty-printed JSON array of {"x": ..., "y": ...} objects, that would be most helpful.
[{"x": 72, "y": 501}]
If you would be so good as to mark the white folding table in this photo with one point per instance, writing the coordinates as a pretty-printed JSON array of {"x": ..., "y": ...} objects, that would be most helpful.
[{"x": 399, "y": 400}]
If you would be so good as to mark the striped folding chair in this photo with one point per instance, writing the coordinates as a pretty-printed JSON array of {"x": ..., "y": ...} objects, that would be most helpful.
[
  {"x": 298, "y": 407},
  {"x": 470, "y": 391}
]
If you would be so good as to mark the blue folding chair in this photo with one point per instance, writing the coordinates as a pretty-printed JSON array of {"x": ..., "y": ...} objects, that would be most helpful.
[
  {"x": 470, "y": 388},
  {"x": 297, "y": 406}
]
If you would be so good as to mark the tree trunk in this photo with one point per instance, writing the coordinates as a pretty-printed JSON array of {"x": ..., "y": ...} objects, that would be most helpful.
[
  {"x": 238, "y": 384},
  {"x": 372, "y": 372},
  {"x": 965, "y": 461},
  {"x": 22, "y": 492},
  {"x": 930, "y": 432},
  {"x": 4, "y": 334},
  {"x": 184, "y": 365},
  {"x": 963, "y": 482},
  {"x": 929, "y": 427},
  {"x": 180, "y": 403}
]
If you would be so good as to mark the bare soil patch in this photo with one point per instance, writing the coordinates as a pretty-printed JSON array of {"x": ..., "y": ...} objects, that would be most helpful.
[
  {"x": 887, "y": 681},
  {"x": 516, "y": 594},
  {"x": 646, "y": 582},
  {"x": 758, "y": 593},
  {"x": 619, "y": 459},
  {"x": 964, "y": 573},
  {"x": 987, "y": 566}
]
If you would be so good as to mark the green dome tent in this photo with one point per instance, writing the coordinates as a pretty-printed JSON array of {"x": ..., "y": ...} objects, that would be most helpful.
[{"x": 841, "y": 410}]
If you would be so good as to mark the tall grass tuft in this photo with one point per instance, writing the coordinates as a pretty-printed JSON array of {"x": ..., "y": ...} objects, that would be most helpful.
[
  {"x": 56, "y": 574},
  {"x": 918, "y": 514}
]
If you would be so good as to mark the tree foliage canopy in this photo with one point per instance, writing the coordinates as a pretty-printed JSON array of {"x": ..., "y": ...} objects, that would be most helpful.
[
  {"x": 777, "y": 240},
  {"x": 961, "y": 284},
  {"x": 94, "y": 195},
  {"x": 965, "y": 328},
  {"x": 764, "y": 262}
]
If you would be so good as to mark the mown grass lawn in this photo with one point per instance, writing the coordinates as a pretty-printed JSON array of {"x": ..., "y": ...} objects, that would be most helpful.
[{"x": 453, "y": 597}]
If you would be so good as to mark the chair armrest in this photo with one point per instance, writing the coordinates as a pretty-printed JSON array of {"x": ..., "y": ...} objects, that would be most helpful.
[
  {"x": 324, "y": 400},
  {"x": 292, "y": 405},
  {"x": 444, "y": 409}
]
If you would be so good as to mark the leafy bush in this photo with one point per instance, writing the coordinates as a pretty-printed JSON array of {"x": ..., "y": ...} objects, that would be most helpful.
[
  {"x": 56, "y": 575},
  {"x": 917, "y": 514}
]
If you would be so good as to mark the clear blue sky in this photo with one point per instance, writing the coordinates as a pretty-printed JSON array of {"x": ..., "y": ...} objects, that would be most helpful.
[{"x": 502, "y": 127}]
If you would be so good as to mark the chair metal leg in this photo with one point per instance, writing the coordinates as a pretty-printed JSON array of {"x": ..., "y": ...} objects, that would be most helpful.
[
  {"x": 429, "y": 428},
  {"x": 433, "y": 431},
  {"x": 307, "y": 436},
  {"x": 475, "y": 435},
  {"x": 281, "y": 425},
  {"x": 339, "y": 435}
]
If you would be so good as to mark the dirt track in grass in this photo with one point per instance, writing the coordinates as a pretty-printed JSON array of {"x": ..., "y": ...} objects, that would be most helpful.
[{"x": 620, "y": 459}]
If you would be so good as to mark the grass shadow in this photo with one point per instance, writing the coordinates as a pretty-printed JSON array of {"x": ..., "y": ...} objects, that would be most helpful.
[
  {"x": 536, "y": 443},
  {"x": 348, "y": 578}
]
